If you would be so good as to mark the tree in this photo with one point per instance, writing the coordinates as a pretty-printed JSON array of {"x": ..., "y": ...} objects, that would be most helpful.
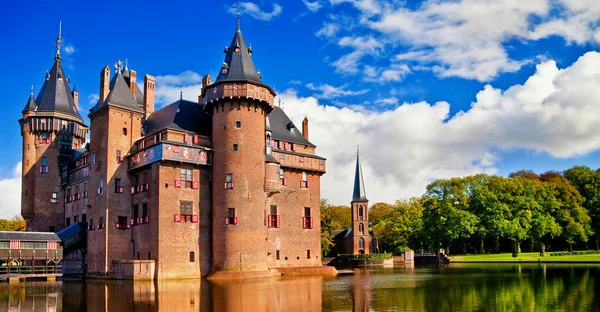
[
  {"x": 332, "y": 218},
  {"x": 17, "y": 223},
  {"x": 587, "y": 182},
  {"x": 397, "y": 228},
  {"x": 378, "y": 212}
]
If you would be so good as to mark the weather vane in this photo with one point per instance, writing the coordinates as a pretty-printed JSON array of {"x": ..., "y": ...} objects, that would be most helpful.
[{"x": 238, "y": 15}]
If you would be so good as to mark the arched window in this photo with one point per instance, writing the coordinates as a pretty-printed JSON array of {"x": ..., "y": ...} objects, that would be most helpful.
[
  {"x": 361, "y": 243},
  {"x": 360, "y": 213},
  {"x": 361, "y": 228}
]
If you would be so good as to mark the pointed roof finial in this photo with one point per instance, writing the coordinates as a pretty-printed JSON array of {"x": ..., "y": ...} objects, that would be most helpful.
[
  {"x": 126, "y": 64},
  {"x": 357, "y": 150},
  {"x": 57, "y": 56},
  {"x": 238, "y": 15},
  {"x": 31, "y": 89},
  {"x": 181, "y": 94}
]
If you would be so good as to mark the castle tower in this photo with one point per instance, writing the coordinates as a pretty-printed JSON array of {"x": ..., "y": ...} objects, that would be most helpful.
[
  {"x": 116, "y": 122},
  {"x": 51, "y": 127},
  {"x": 360, "y": 213},
  {"x": 238, "y": 102}
]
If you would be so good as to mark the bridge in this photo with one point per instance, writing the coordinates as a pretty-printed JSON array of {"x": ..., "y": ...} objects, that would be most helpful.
[{"x": 431, "y": 257}]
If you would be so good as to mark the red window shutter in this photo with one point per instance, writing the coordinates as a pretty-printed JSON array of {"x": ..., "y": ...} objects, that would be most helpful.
[
  {"x": 155, "y": 139},
  {"x": 226, "y": 185},
  {"x": 278, "y": 221},
  {"x": 177, "y": 183},
  {"x": 185, "y": 138},
  {"x": 269, "y": 219},
  {"x": 177, "y": 218},
  {"x": 194, "y": 218},
  {"x": 146, "y": 186},
  {"x": 311, "y": 222},
  {"x": 132, "y": 221},
  {"x": 307, "y": 184},
  {"x": 132, "y": 190},
  {"x": 301, "y": 183},
  {"x": 147, "y": 220},
  {"x": 226, "y": 221},
  {"x": 194, "y": 185},
  {"x": 117, "y": 226},
  {"x": 284, "y": 182},
  {"x": 195, "y": 139},
  {"x": 293, "y": 147},
  {"x": 273, "y": 144},
  {"x": 234, "y": 220},
  {"x": 303, "y": 222},
  {"x": 232, "y": 185}
]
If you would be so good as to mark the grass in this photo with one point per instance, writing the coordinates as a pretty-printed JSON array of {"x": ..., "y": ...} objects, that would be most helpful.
[{"x": 524, "y": 257}]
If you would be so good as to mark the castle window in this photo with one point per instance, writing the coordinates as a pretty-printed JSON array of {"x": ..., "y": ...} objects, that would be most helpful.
[
  {"x": 308, "y": 254},
  {"x": 124, "y": 131},
  {"x": 360, "y": 213},
  {"x": 235, "y": 147},
  {"x": 277, "y": 255},
  {"x": 119, "y": 158},
  {"x": 304, "y": 183},
  {"x": 229, "y": 181},
  {"x": 44, "y": 167},
  {"x": 273, "y": 219},
  {"x": 91, "y": 224},
  {"x": 192, "y": 256},
  {"x": 93, "y": 159},
  {"x": 45, "y": 138},
  {"x": 118, "y": 187},
  {"x": 68, "y": 222},
  {"x": 186, "y": 178},
  {"x": 75, "y": 219},
  {"x": 238, "y": 124},
  {"x": 361, "y": 228},
  {"x": 135, "y": 214},
  {"x": 231, "y": 218},
  {"x": 27, "y": 146},
  {"x": 186, "y": 209},
  {"x": 282, "y": 177},
  {"x": 100, "y": 185},
  {"x": 54, "y": 195},
  {"x": 122, "y": 222},
  {"x": 100, "y": 222},
  {"x": 83, "y": 217},
  {"x": 361, "y": 243},
  {"x": 307, "y": 220},
  {"x": 144, "y": 210}
]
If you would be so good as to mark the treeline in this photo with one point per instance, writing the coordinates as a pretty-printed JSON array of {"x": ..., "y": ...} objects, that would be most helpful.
[
  {"x": 483, "y": 214},
  {"x": 15, "y": 224}
]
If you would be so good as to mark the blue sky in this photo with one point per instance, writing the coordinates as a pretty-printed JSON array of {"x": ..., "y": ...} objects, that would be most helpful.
[{"x": 429, "y": 89}]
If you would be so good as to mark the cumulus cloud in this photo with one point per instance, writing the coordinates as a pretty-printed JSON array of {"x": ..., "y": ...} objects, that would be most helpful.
[
  {"x": 328, "y": 30},
  {"x": 312, "y": 6},
  {"x": 249, "y": 8},
  {"x": 556, "y": 111},
  {"x": 93, "y": 99},
  {"x": 169, "y": 88},
  {"x": 330, "y": 92},
  {"x": 466, "y": 38},
  {"x": 69, "y": 49},
  {"x": 406, "y": 146},
  {"x": 10, "y": 188}
]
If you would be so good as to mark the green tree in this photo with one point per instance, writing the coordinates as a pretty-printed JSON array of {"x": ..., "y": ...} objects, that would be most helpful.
[
  {"x": 398, "y": 227},
  {"x": 378, "y": 212},
  {"x": 332, "y": 218},
  {"x": 587, "y": 182},
  {"x": 17, "y": 223}
]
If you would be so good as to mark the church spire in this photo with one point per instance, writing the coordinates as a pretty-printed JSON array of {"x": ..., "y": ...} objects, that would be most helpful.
[
  {"x": 57, "y": 56},
  {"x": 359, "y": 194}
]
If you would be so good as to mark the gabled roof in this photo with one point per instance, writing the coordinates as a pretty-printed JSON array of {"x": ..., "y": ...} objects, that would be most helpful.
[
  {"x": 119, "y": 95},
  {"x": 181, "y": 115},
  {"x": 29, "y": 236},
  {"x": 55, "y": 94},
  {"x": 238, "y": 64},
  {"x": 30, "y": 106},
  {"x": 359, "y": 194},
  {"x": 283, "y": 129}
]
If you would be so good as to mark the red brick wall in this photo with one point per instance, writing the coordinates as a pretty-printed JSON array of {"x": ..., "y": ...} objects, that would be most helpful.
[{"x": 240, "y": 247}]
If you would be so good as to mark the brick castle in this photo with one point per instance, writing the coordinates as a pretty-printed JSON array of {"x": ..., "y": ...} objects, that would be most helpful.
[{"x": 223, "y": 187}]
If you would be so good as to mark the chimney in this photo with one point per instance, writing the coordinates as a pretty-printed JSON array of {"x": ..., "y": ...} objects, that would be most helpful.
[
  {"x": 75, "y": 95},
  {"x": 148, "y": 95},
  {"x": 132, "y": 76},
  {"x": 305, "y": 128},
  {"x": 205, "y": 83},
  {"x": 104, "y": 83}
]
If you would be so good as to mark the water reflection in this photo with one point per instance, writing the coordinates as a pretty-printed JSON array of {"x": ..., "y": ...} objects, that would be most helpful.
[{"x": 457, "y": 287}]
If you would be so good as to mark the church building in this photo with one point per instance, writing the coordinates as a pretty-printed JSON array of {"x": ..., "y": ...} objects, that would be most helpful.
[{"x": 225, "y": 187}]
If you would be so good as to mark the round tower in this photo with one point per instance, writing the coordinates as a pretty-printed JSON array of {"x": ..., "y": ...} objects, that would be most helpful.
[{"x": 238, "y": 102}]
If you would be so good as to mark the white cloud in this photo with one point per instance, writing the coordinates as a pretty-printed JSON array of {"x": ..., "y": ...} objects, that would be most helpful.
[
  {"x": 466, "y": 38},
  {"x": 388, "y": 101},
  {"x": 556, "y": 111},
  {"x": 69, "y": 49},
  {"x": 10, "y": 188},
  {"x": 169, "y": 88},
  {"x": 365, "y": 44},
  {"x": 312, "y": 6},
  {"x": 330, "y": 92},
  {"x": 349, "y": 63},
  {"x": 93, "y": 99},
  {"x": 328, "y": 30},
  {"x": 249, "y": 8}
]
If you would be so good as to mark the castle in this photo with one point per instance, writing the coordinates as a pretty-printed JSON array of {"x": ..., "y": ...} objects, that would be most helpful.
[{"x": 224, "y": 187}]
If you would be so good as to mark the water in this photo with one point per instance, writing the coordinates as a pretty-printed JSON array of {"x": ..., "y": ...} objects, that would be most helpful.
[{"x": 457, "y": 287}]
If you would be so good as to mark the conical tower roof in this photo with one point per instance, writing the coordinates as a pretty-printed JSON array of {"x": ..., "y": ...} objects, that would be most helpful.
[
  {"x": 55, "y": 94},
  {"x": 238, "y": 64},
  {"x": 30, "y": 106},
  {"x": 359, "y": 194}
]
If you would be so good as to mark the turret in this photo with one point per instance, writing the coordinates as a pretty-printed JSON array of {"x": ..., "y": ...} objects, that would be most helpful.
[{"x": 238, "y": 102}]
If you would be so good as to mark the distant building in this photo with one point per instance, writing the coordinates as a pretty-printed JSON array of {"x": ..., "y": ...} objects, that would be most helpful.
[
  {"x": 357, "y": 239},
  {"x": 221, "y": 186}
]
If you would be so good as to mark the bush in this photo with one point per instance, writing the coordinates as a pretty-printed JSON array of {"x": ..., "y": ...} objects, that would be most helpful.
[
  {"x": 365, "y": 257},
  {"x": 582, "y": 252}
]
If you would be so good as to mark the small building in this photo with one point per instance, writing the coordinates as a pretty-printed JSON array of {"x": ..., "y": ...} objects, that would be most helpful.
[
  {"x": 358, "y": 239},
  {"x": 30, "y": 252}
]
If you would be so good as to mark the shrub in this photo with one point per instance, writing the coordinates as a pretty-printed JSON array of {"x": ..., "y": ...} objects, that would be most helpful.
[
  {"x": 365, "y": 257},
  {"x": 582, "y": 252}
]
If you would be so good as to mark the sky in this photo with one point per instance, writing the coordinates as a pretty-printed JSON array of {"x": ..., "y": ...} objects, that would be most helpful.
[{"x": 427, "y": 89}]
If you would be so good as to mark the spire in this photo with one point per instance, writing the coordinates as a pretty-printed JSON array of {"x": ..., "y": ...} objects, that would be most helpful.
[
  {"x": 238, "y": 16},
  {"x": 30, "y": 106},
  {"x": 57, "y": 56},
  {"x": 359, "y": 184},
  {"x": 238, "y": 65}
]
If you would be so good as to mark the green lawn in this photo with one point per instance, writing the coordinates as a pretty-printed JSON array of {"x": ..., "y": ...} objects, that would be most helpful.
[{"x": 524, "y": 256}]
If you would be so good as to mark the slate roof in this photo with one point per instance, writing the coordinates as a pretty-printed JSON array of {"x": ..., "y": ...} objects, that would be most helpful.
[
  {"x": 281, "y": 124},
  {"x": 139, "y": 95},
  {"x": 238, "y": 63},
  {"x": 71, "y": 230},
  {"x": 119, "y": 95},
  {"x": 30, "y": 106},
  {"x": 359, "y": 194},
  {"x": 55, "y": 94},
  {"x": 29, "y": 236},
  {"x": 181, "y": 115}
]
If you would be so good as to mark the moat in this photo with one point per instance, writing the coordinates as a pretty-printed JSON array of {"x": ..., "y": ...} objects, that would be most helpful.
[{"x": 455, "y": 287}]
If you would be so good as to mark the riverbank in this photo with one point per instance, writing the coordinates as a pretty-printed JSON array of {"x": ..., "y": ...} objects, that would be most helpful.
[{"x": 524, "y": 257}]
